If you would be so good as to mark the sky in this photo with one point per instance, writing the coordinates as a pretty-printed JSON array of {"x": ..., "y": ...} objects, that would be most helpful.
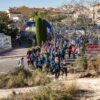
[{"x": 5, "y": 4}]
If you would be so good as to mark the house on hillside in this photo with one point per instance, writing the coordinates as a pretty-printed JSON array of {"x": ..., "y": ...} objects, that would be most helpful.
[
  {"x": 95, "y": 10},
  {"x": 16, "y": 15}
]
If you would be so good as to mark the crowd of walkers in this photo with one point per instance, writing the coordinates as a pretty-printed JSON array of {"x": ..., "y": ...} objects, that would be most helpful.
[{"x": 53, "y": 54}]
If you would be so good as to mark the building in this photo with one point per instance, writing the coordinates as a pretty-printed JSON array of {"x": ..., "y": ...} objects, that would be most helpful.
[
  {"x": 15, "y": 15},
  {"x": 5, "y": 42},
  {"x": 95, "y": 10}
]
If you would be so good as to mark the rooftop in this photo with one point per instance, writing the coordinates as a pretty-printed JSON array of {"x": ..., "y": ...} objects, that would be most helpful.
[{"x": 96, "y": 5}]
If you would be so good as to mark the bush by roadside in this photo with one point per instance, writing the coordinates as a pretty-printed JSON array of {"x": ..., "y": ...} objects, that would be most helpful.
[
  {"x": 22, "y": 77},
  {"x": 54, "y": 91}
]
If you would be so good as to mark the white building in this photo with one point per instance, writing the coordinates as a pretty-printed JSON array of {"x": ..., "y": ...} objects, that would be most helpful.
[
  {"x": 15, "y": 15},
  {"x": 5, "y": 42},
  {"x": 95, "y": 10}
]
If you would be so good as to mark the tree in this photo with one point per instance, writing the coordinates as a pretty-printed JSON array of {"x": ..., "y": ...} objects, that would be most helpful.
[
  {"x": 44, "y": 31},
  {"x": 41, "y": 30},
  {"x": 12, "y": 32},
  {"x": 4, "y": 17},
  {"x": 6, "y": 26},
  {"x": 38, "y": 31},
  {"x": 3, "y": 27}
]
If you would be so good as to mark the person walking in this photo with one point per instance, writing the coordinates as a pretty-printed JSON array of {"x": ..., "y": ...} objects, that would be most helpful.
[
  {"x": 28, "y": 60},
  {"x": 64, "y": 68},
  {"x": 57, "y": 67},
  {"x": 73, "y": 50},
  {"x": 21, "y": 62},
  {"x": 69, "y": 51}
]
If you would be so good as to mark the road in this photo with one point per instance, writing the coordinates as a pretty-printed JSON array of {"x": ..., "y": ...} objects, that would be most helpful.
[
  {"x": 9, "y": 60},
  {"x": 8, "y": 64}
]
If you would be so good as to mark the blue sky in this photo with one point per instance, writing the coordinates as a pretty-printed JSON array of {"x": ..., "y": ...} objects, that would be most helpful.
[{"x": 4, "y": 4}]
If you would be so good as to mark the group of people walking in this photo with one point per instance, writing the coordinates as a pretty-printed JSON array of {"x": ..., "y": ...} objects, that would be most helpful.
[{"x": 52, "y": 55}]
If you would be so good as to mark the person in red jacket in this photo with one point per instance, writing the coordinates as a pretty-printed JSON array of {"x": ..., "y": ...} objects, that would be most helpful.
[
  {"x": 28, "y": 60},
  {"x": 69, "y": 51},
  {"x": 73, "y": 50}
]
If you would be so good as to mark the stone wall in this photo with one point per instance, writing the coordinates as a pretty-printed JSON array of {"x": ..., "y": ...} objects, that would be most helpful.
[{"x": 5, "y": 42}]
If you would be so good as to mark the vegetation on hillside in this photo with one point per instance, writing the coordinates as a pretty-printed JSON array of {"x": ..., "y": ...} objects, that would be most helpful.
[
  {"x": 53, "y": 91},
  {"x": 23, "y": 77},
  {"x": 6, "y": 26}
]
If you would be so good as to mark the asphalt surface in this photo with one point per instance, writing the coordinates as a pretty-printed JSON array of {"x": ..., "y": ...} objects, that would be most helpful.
[
  {"x": 9, "y": 64},
  {"x": 9, "y": 60}
]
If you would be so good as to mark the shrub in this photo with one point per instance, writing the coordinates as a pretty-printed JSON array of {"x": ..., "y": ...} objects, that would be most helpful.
[
  {"x": 46, "y": 93},
  {"x": 98, "y": 63},
  {"x": 54, "y": 91},
  {"x": 16, "y": 81},
  {"x": 82, "y": 62},
  {"x": 3, "y": 80},
  {"x": 21, "y": 71},
  {"x": 40, "y": 78},
  {"x": 23, "y": 77}
]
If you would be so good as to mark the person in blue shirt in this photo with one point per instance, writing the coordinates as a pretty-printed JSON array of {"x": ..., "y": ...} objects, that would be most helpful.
[{"x": 56, "y": 67}]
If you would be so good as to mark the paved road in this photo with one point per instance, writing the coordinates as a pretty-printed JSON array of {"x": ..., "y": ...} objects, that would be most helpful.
[
  {"x": 14, "y": 52},
  {"x": 9, "y": 61},
  {"x": 8, "y": 64}
]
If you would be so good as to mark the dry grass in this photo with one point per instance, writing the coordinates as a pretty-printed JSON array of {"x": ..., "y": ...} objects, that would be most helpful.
[
  {"x": 98, "y": 63},
  {"x": 71, "y": 87},
  {"x": 53, "y": 91},
  {"x": 82, "y": 63},
  {"x": 90, "y": 66},
  {"x": 23, "y": 77},
  {"x": 94, "y": 64}
]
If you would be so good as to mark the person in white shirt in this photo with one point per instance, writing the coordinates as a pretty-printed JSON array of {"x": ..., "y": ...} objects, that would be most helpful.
[{"x": 21, "y": 62}]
